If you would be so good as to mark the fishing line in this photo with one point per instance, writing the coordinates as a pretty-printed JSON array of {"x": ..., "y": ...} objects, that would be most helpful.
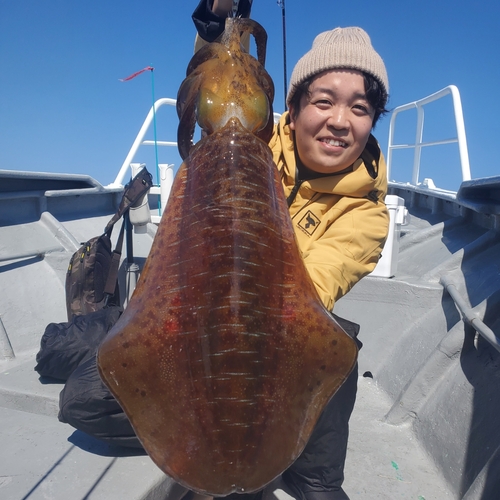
[{"x": 154, "y": 135}]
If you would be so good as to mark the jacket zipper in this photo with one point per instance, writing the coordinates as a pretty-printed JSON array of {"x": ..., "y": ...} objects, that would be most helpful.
[{"x": 294, "y": 191}]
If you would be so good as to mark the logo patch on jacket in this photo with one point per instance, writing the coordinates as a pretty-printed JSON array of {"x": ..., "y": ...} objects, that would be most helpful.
[{"x": 309, "y": 223}]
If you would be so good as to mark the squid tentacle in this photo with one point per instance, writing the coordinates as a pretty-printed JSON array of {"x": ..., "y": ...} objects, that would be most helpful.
[{"x": 186, "y": 99}]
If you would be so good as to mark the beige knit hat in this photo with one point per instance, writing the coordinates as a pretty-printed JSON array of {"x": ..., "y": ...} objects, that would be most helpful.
[{"x": 339, "y": 48}]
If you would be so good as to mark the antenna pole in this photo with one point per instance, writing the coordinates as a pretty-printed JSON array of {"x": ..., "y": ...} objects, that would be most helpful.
[{"x": 281, "y": 3}]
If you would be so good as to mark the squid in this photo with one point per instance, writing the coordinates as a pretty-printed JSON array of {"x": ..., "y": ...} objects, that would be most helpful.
[{"x": 225, "y": 356}]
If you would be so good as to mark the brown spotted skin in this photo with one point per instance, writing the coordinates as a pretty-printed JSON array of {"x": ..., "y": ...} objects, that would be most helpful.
[{"x": 225, "y": 356}]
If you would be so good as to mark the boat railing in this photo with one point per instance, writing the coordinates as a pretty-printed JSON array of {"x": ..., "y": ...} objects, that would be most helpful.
[
  {"x": 165, "y": 171},
  {"x": 468, "y": 314},
  {"x": 139, "y": 141},
  {"x": 419, "y": 142},
  {"x": 130, "y": 167}
]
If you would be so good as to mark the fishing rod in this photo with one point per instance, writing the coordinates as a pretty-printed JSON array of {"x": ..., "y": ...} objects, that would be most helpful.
[{"x": 281, "y": 3}]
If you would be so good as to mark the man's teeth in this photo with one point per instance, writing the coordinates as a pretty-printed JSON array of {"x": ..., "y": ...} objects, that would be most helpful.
[{"x": 333, "y": 142}]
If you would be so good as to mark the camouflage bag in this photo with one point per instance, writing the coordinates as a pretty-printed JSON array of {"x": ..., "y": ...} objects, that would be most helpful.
[{"x": 92, "y": 276}]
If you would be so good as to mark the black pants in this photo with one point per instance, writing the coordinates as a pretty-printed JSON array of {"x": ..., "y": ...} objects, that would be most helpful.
[{"x": 317, "y": 474}]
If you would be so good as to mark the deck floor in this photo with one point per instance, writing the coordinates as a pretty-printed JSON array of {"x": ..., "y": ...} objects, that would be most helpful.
[
  {"x": 385, "y": 461},
  {"x": 44, "y": 459}
]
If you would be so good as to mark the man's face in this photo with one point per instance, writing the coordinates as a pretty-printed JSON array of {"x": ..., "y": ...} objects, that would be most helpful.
[{"x": 334, "y": 121}]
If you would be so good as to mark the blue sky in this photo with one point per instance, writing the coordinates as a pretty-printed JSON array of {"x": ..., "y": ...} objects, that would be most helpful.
[{"x": 63, "y": 108}]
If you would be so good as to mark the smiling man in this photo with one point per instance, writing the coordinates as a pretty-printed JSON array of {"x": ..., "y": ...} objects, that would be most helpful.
[{"x": 332, "y": 121}]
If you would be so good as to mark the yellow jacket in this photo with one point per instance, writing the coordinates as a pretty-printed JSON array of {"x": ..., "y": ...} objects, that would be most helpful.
[{"x": 340, "y": 221}]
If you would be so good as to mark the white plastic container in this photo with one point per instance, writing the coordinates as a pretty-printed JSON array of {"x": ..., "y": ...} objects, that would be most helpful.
[
  {"x": 388, "y": 263},
  {"x": 166, "y": 181}
]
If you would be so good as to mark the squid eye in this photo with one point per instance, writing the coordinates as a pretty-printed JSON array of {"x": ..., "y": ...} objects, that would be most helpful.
[
  {"x": 214, "y": 111},
  {"x": 258, "y": 104},
  {"x": 208, "y": 109}
]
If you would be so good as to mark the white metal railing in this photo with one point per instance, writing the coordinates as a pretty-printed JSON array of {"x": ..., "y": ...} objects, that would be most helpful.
[
  {"x": 165, "y": 171},
  {"x": 139, "y": 140},
  {"x": 419, "y": 144}
]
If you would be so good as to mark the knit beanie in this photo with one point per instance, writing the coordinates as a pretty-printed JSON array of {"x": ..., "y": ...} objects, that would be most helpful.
[{"x": 339, "y": 48}]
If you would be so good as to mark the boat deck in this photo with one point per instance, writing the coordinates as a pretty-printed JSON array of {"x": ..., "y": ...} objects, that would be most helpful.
[
  {"x": 398, "y": 466},
  {"x": 44, "y": 459},
  {"x": 424, "y": 425}
]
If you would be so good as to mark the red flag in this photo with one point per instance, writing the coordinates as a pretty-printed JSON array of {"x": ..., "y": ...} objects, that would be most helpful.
[{"x": 149, "y": 68}]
